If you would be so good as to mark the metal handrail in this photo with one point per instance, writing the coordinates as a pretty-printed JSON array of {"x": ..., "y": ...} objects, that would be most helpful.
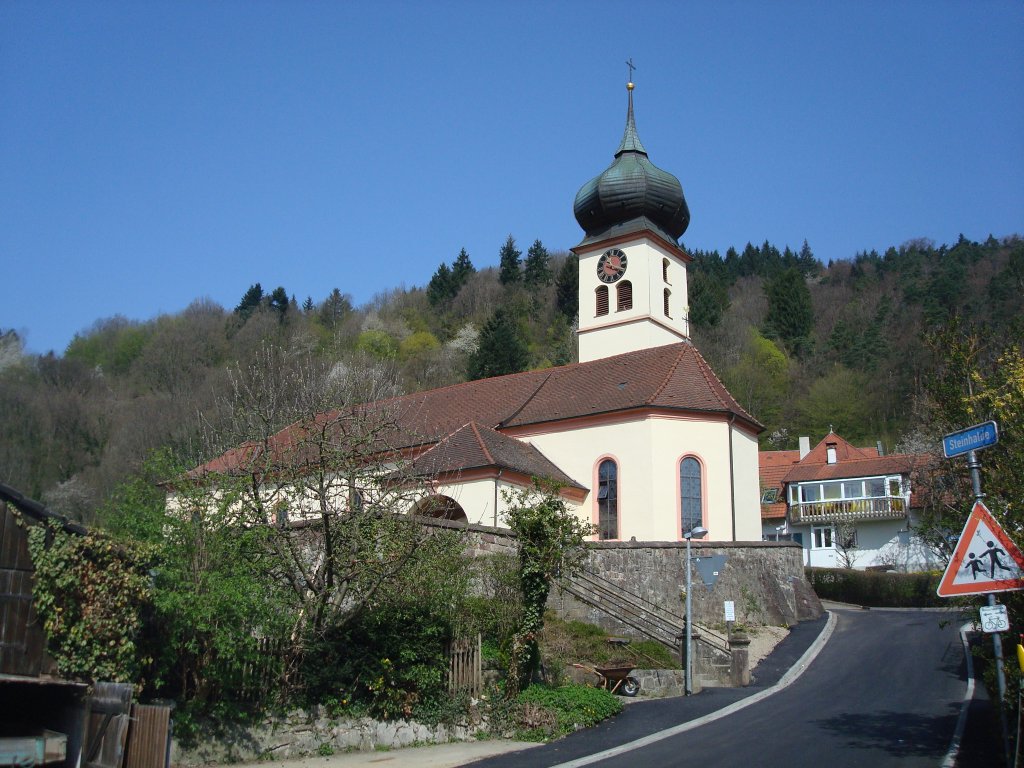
[{"x": 646, "y": 617}]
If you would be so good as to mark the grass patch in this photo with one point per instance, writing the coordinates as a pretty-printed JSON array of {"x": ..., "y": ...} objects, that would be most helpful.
[{"x": 567, "y": 642}]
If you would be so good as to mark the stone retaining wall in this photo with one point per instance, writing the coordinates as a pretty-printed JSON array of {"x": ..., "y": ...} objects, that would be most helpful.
[
  {"x": 301, "y": 734},
  {"x": 765, "y": 581}
]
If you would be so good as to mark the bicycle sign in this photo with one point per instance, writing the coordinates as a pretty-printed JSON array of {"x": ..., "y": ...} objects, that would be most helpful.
[{"x": 994, "y": 618}]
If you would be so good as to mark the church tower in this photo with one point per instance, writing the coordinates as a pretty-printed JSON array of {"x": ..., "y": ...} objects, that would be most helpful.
[{"x": 632, "y": 292}]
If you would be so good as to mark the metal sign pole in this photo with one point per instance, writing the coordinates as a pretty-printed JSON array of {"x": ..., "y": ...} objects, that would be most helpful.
[{"x": 997, "y": 637}]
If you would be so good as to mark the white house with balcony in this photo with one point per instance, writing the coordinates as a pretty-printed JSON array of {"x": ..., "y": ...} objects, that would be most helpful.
[{"x": 848, "y": 507}]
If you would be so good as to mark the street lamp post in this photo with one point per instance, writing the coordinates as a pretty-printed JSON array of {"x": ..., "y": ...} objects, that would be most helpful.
[{"x": 697, "y": 532}]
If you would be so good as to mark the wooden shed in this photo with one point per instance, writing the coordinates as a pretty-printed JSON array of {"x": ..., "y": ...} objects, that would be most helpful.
[{"x": 42, "y": 717}]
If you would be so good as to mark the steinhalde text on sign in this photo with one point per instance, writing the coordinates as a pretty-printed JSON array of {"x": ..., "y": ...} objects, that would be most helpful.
[
  {"x": 985, "y": 559},
  {"x": 971, "y": 439}
]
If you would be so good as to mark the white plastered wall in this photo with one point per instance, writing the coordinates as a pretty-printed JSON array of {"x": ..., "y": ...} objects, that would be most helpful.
[{"x": 645, "y": 325}]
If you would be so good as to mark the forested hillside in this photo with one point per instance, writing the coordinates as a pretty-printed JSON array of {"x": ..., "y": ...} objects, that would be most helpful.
[{"x": 802, "y": 345}]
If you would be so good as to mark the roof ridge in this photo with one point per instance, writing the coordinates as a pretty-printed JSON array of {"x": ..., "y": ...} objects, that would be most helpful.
[
  {"x": 480, "y": 441},
  {"x": 668, "y": 377}
]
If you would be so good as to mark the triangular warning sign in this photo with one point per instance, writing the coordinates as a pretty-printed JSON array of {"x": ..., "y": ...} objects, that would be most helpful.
[{"x": 985, "y": 560}]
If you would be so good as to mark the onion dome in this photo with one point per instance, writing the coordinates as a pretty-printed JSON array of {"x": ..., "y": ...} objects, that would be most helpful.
[{"x": 632, "y": 193}]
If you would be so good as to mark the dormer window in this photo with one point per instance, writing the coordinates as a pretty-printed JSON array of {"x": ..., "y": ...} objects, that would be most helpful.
[{"x": 830, "y": 453}]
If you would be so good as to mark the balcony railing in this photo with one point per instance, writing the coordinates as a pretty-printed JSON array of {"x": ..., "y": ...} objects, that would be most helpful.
[{"x": 848, "y": 510}]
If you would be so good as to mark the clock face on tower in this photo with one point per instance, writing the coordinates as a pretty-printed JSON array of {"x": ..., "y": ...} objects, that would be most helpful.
[{"x": 611, "y": 266}]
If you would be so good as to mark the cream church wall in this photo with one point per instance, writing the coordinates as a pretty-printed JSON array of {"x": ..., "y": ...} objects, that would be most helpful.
[
  {"x": 648, "y": 450},
  {"x": 748, "y": 486},
  {"x": 479, "y": 498}
]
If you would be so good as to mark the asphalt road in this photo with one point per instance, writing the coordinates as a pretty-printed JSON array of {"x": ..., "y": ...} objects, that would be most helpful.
[{"x": 885, "y": 690}]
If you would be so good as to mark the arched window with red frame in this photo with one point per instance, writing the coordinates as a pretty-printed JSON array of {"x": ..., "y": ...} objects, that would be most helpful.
[
  {"x": 691, "y": 495},
  {"x": 608, "y": 500}
]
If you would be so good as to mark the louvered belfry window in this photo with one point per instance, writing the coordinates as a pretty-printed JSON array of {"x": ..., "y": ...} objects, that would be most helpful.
[
  {"x": 624, "y": 296},
  {"x": 664, "y": 270},
  {"x": 601, "y": 295},
  {"x": 668, "y": 294}
]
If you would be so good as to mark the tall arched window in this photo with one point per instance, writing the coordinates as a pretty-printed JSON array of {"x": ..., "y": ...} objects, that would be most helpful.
[
  {"x": 691, "y": 507},
  {"x": 601, "y": 297},
  {"x": 624, "y": 296},
  {"x": 608, "y": 500},
  {"x": 668, "y": 294}
]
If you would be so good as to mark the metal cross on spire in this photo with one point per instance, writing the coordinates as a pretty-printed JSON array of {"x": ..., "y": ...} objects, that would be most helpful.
[{"x": 629, "y": 63}]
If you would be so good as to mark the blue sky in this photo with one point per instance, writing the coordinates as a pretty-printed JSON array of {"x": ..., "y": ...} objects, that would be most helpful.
[{"x": 152, "y": 153}]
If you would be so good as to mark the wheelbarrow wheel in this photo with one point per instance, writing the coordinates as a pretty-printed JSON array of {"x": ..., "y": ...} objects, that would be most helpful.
[{"x": 630, "y": 687}]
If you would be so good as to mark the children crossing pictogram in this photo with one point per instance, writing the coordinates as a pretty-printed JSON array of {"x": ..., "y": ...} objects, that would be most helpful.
[{"x": 985, "y": 559}]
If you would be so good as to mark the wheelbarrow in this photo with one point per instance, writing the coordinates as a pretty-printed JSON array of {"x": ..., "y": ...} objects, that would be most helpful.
[{"x": 614, "y": 679}]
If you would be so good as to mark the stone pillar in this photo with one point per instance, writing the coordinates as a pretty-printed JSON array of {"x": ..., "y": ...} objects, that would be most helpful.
[{"x": 739, "y": 644}]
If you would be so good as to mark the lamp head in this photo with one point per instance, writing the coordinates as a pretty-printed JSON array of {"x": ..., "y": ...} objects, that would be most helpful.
[{"x": 697, "y": 532}]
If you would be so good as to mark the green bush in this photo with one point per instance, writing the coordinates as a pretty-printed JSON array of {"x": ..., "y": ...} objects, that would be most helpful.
[
  {"x": 872, "y": 588},
  {"x": 551, "y": 712}
]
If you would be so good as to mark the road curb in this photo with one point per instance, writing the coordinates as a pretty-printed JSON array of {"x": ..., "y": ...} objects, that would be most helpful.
[{"x": 787, "y": 680}]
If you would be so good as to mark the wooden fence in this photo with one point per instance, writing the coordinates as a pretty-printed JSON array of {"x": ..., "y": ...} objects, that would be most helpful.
[{"x": 464, "y": 666}]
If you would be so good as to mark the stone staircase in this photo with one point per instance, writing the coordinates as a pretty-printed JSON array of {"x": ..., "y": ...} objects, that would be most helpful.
[{"x": 653, "y": 622}]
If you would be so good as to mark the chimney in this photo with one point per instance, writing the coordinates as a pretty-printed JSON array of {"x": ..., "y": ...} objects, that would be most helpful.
[
  {"x": 805, "y": 446},
  {"x": 879, "y": 448}
]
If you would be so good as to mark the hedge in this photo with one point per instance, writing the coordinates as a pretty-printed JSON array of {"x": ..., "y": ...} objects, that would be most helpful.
[{"x": 876, "y": 589}]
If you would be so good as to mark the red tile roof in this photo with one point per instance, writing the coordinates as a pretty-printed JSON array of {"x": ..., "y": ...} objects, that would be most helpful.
[
  {"x": 772, "y": 466},
  {"x": 674, "y": 377},
  {"x": 850, "y": 462},
  {"x": 477, "y": 447}
]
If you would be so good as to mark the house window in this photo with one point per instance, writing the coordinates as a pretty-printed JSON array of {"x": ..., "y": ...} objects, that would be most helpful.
[
  {"x": 664, "y": 270},
  {"x": 668, "y": 294},
  {"x": 810, "y": 493},
  {"x": 608, "y": 500},
  {"x": 777, "y": 537},
  {"x": 769, "y": 495},
  {"x": 853, "y": 489},
  {"x": 822, "y": 537},
  {"x": 690, "y": 502},
  {"x": 830, "y": 453},
  {"x": 602, "y": 300},
  {"x": 624, "y": 296}
]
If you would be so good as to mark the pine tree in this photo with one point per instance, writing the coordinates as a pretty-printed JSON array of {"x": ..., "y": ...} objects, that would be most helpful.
[
  {"x": 536, "y": 271},
  {"x": 790, "y": 313},
  {"x": 334, "y": 308},
  {"x": 567, "y": 288},
  {"x": 442, "y": 288},
  {"x": 278, "y": 301},
  {"x": 708, "y": 300},
  {"x": 251, "y": 300},
  {"x": 509, "y": 262},
  {"x": 501, "y": 348},
  {"x": 462, "y": 269}
]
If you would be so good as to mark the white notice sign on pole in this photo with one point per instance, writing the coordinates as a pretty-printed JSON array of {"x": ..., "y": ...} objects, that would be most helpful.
[{"x": 730, "y": 610}]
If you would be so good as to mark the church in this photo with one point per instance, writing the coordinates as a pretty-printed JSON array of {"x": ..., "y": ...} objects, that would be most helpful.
[{"x": 641, "y": 435}]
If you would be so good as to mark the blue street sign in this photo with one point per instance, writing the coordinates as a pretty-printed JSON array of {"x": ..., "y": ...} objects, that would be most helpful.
[{"x": 970, "y": 439}]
